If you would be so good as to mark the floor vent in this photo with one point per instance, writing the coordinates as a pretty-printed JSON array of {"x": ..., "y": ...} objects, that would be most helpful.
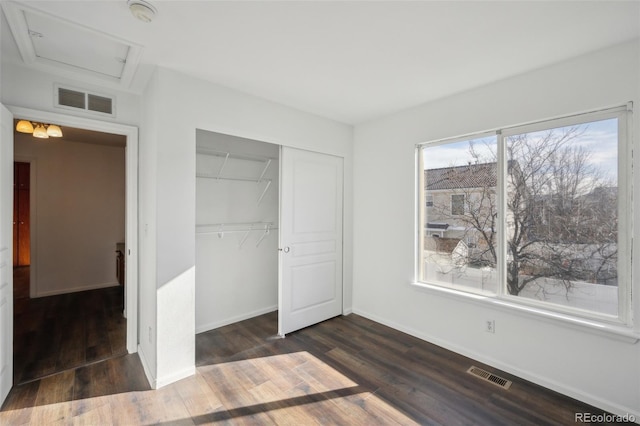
[{"x": 489, "y": 377}]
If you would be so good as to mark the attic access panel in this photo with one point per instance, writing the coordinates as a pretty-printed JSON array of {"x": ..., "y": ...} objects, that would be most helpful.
[
  {"x": 46, "y": 40},
  {"x": 76, "y": 46}
]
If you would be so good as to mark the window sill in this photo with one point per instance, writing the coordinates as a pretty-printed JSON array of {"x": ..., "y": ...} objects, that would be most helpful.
[{"x": 617, "y": 332}]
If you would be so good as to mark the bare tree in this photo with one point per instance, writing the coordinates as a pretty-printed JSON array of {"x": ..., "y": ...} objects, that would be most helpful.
[{"x": 561, "y": 212}]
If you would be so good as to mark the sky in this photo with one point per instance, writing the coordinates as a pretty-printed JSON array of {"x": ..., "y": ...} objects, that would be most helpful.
[{"x": 599, "y": 137}]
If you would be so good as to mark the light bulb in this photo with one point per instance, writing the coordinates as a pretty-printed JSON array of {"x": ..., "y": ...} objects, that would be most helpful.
[
  {"x": 54, "y": 131},
  {"x": 24, "y": 126},
  {"x": 40, "y": 132}
]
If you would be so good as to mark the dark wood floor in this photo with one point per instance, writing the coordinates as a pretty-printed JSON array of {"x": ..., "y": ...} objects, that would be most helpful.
[
  {"x": 345, "y": 371},
  {"x": 57, "y": 333}
]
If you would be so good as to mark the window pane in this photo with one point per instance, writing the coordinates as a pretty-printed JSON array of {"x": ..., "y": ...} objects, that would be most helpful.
[
  {"x": 457, "y": 204},
  {"x": 459, "y": 235},
  {"x": 562, "y": 216}
]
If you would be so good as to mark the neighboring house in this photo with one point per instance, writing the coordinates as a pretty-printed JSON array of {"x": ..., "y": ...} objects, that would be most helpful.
[
  {"x": 563, "y": 233},
  {"x": 458, "y": 200}
]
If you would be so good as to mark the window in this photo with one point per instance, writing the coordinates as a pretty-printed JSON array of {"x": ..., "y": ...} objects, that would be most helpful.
[
  {"x": 463, "y": 196},
  {"x": 533, "y": 214},
  {"x": 457, "y": 204}
]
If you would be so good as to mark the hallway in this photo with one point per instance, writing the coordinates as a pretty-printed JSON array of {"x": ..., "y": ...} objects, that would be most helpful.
[{"x": 57, "y": 333}]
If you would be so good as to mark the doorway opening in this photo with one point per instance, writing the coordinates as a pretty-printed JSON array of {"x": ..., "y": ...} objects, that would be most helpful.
[
  {"x": 69, "y": 220},
  {"x": 95, "y": 318}
]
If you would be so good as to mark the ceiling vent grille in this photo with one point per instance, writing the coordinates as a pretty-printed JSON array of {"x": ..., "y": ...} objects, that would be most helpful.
[
  {"x": 71, "y": 98},
  {"x": 68, "y": 98},
  {"x": 99, "y": 104},
  {"x": 489, "y": 377}
]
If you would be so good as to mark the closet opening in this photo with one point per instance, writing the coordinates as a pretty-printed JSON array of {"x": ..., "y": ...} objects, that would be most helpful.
[{"x": 237, "y": 219}]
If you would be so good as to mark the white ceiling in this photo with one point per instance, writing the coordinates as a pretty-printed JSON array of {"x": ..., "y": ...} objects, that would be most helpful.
[{"x": 353, "y": 61}]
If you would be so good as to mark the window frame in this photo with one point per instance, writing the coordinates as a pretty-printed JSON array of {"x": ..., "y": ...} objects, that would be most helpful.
[
  {"x": 624, "y": 318},
  {"x": 456, "y": 213}
]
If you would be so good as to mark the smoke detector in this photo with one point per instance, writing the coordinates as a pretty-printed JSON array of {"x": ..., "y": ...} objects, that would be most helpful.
[{"x": 142, "y": 10}]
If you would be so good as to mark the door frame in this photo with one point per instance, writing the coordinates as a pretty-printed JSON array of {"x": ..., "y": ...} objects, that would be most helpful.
[
  {"x": 260, "y": 138},
  {"x": 131, "y": 200},
  {"x": 6, "y": 253}
]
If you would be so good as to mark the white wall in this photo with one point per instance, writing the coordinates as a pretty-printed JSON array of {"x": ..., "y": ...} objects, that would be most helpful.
[
  {"x": 28, "y": 88},
  {"x": 236, "y": 275},
  {"x": 147, "y": 172},
  {"x": 79, "y": 212},
  {"x": 175, "y": 106},
  {"x": 590, "y": 366}
]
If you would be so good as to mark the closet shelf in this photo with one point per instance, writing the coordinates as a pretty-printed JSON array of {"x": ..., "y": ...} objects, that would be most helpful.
[
  {"x": 245, "y": 227},
  {"x": 226, "y": 155},
  {"x": 233, "y": 226},
  {"x": 242, "y": 179}
]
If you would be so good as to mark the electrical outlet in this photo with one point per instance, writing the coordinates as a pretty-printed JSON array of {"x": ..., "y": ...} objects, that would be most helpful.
[{"x": 490, "y": 326}]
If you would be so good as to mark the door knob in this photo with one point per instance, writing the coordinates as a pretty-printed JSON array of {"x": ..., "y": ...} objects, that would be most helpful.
[{"x": 286, "y": 249}]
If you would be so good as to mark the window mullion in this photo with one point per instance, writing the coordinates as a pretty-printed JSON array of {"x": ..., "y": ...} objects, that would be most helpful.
[
  {"x": 501, "y": 199},
  {"x": 625, "y": 212},
  {"x": 420, "y": 185}
]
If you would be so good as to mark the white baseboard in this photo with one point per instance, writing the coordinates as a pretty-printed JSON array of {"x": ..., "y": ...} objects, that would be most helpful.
[
  {"x": 75, "y": 289},
  {"x": 167, "y": 380},
  {"x": 546, "y": 382},
  {"x": 157, "y": 383},
  {"x": 145, "y": 366},
  {"x": 213, "y": 325}
]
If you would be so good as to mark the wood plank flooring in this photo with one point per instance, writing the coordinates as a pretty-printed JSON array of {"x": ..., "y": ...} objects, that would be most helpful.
[
  {"x": 56, "y": 333},
  {"x": 345, "y": 371}
]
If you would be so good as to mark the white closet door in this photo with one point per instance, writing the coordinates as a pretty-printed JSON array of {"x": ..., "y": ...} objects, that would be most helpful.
[
  {"x": 6, "y": 247},
  {"x": 310, "y": 283}
]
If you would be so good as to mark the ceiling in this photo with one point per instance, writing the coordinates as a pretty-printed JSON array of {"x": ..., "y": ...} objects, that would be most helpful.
[{"x": 348, "y": 61}]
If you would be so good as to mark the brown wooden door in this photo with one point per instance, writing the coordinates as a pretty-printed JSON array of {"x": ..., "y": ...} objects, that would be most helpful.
[
  {"x": 15, "y": 215},
  {"x": 21, "y": 209}
]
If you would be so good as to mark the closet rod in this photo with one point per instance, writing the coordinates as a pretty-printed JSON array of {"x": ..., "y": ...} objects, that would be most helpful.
[
  {"x": 263, "y": 224},
  {"x": 221, "y": 228},
  {"x": 230, "y": 231},
  {"x": 248, "y": 157},
  {"x": 264, "y": 227},
  {"x": 242, "y": 179}
]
